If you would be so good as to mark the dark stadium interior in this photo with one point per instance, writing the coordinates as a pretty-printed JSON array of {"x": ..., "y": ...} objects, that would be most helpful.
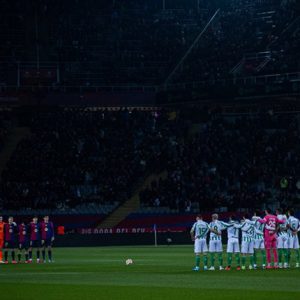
[
  {"x": 149, "y": 149},
  {"x": 120, "y": 109}
]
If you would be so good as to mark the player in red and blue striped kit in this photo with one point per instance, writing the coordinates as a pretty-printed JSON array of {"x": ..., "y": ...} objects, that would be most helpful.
[
  {"x": 47, "y": 232},
  {"x": 23, "y": 241},
  {"x": 10, "y": 234},
  {"x": 35, "y": 239}
]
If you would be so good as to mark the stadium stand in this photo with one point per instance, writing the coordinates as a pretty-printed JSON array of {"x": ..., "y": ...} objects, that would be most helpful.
[
  {"x": 86, "y": 161},
  {"x": 91, "y": 162},
  {"x": 144, "y": 41},
  {"x": 231, "y": 162},
  {"x": 73, "y": 160}
]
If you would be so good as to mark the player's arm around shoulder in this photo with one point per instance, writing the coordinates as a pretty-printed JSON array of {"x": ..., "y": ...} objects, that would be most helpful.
[
  {"x": 225, "y": 225},
  {"x": 251, "y": 222},
  {"x": 262, "y": 221},
  {"x": 278, "y": 221},
  {"x": 238, "y": 225}
]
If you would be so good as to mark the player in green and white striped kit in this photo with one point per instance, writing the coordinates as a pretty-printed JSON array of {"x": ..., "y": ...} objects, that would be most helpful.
[
  {"x": 259, "y": 242},
  {"x": 293, "y": 240},
  {"x": 215, "y": 241},
  {"x": 199, "y": 233},
  {"x": 247, "y": 249},
  {"x": 282, "y": 240},
  {"x": 233, "y": 245}
]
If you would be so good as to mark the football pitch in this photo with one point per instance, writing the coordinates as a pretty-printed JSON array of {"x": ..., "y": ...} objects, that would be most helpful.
[{"x": 157, "y": 273}]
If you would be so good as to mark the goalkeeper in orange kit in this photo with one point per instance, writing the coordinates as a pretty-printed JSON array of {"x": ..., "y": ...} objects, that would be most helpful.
[{"x": 1, "y": 238}]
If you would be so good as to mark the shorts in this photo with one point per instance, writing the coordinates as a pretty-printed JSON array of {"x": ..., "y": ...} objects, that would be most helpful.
[
  {"x": 248, "y": 247},
  {"x": 10, "y": 245},
  {"x": 35, "y": 244},
  {"x": 200, "y": 246},
  {"x": 282, "y": 241},
  {"x": 233, "y": 245},
  {"x": 24, "y": 246},
  {"x": 259, "y": 244},
  {"x": 293, "y": 242},
  {"x": 215, "y": 246},
  {"x": 48, "y": 243}
]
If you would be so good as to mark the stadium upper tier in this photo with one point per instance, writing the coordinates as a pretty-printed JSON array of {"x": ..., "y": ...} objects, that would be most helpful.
[{"x": 139, "y": 42}]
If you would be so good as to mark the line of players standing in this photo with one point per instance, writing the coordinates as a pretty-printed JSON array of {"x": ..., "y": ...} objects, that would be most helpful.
[
  {"x": 273, "y": 234},
  {"x": 26, "y": 237}
]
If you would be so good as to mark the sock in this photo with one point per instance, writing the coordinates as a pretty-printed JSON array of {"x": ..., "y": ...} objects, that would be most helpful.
[
  {"x": 30, "y": 254},
  {"x": 237, "y": 258},
  {"x": 197, "y": 260},
  {"x": 1, "y": 255},
  {"x": 243, "y": 260},
  {"x": 26, "y": 256},
  {"x": 5, "y": 255},
  {"x": 251, "y": 260},
  {"x": 255, "y": 257},
  {"x": 298, "y": 256},
  {"x": 275, "y": 256},
  {"x": 38, "y": 254},
  {"x": 212, "y": 259},
  {"x": 229, "y": 259},
  {"x": 204, "y": 259},
  {"x": 285, "y": 255},
  {"x": 13, "y": 255},
  {"x": 19, "y": 257},
  {"x": 263, "y": 254},
  {"x": 220, "y": 257},
  {"x": 280, "y": 255},
  {"x": 44, "y": 254},
  {"x": 269, "y": 256}
]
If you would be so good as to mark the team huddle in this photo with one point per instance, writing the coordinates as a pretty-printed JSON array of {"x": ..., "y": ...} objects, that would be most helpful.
[
  {"x": 23, "y": 238},
  {"x": 274, "y": 237}
]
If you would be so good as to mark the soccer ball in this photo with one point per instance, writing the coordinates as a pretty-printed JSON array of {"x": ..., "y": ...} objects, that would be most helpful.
[{"x": 129, "y": 261}]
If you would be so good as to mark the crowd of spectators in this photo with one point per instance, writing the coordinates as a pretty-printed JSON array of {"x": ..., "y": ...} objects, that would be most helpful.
[
  {"x": 232, "y": 162},
  {"x": 85, "y": 157},
  {"x": 212, "y": 158}
]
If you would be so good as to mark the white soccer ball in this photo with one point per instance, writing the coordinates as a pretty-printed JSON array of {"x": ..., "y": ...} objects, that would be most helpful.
[{"x": 129, "y": 261}]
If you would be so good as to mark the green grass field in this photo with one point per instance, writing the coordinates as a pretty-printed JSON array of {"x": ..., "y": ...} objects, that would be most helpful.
[{"x": 157, "y": 273}]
